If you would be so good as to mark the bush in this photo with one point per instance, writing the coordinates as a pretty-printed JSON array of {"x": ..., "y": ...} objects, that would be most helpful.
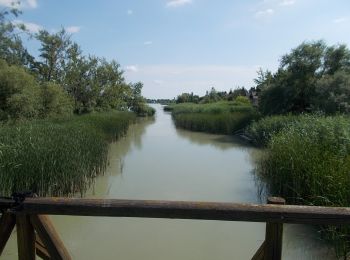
[
  {"x": 55, "y": 101},
  {"x": 19, "y": 93}
]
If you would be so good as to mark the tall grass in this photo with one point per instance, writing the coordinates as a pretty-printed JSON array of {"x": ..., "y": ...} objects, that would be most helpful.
[
  {"x": 218, "y": 117},
  {"x": 308, "y": 162},
  {"x": 261, "y": 131},
  {"x": 57, "y": 156}
]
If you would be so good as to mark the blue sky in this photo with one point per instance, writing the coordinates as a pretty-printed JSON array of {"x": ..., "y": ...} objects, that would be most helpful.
[{"x": 176, "y": 46}]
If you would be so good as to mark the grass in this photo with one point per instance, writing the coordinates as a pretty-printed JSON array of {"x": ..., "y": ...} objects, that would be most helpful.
[
  {"x": 308, "y": 162},
  {"x": 261, "y": 131},
  {"x": 57, "y": 156},
  {"x": 219, "y": 117}
]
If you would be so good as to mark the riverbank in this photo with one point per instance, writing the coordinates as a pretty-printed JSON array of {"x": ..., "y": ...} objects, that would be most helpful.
[
  {"x": 225, "y": 117},
  {"x": 58, "y": 156}
]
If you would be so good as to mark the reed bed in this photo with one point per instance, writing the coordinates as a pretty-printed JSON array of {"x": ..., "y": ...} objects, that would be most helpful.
[
  {"x": 57, "y": 156},
  {"x": 308, "y": 163},
  {"x": 219, "y": 117},
  {"x": 261, "y": 131}
]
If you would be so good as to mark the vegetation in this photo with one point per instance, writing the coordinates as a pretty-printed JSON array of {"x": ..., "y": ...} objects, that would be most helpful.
[
  {"x": 57, "y": 156},
  {"x": 260, "y": 132},
  {"x": 221, "y": 117},
  {"x": 308, "y": 136},
  {"x": 313, "y": 77},
  {"x": 43, "y": 147},
  {"x": 62, "y": 80},
  {"x": 308, "y": 163}
]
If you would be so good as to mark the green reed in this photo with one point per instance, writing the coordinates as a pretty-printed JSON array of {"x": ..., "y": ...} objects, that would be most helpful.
[
  {"x": 308, "y": 163},
  {"x": 57, "y": 156},
  {"x": 219, "y": 117}
]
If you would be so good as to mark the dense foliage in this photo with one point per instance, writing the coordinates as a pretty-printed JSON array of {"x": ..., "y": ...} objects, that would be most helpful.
[
  {"x": 313, "y": 77},
  {"x": 308, "y": 162},
  {"x": 61, "y": 80}
]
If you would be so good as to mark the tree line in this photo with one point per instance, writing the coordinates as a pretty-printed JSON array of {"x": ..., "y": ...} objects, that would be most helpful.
[
  {"x": 61, "y": 79},
  {"x": 313, "y": 77}
]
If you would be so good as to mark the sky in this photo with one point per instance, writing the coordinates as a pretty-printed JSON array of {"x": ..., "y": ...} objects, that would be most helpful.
[{"x": 176, "y": 46}]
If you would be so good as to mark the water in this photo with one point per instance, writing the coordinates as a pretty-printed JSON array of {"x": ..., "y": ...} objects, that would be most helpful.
[{"x": 157, "y": 161}]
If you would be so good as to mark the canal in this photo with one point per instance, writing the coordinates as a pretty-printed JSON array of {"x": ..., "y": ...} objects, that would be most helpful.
[{"x": 157, "y": 161}]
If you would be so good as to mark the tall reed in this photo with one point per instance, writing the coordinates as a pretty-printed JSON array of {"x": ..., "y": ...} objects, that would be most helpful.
[
  {"x": 220, "y": 117},
  {"x": 57, "y": 156},
  {"x": 308, "y": 162}
]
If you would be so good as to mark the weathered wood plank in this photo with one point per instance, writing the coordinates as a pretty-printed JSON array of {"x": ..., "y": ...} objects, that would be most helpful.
[
  {"x": 7, "y": 224},
  {"x": 274, "y": 234},
  {"x": 185, "y": 210},
  {"x": 49, "y": 237},
  {"x": 25, "y": 238}
]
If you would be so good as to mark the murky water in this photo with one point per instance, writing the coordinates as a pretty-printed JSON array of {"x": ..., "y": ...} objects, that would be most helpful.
[{"x": 157, "y": 161}]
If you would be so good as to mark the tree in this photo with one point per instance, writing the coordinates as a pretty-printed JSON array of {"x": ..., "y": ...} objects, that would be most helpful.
[
  {"x": 11, "y": 47},
  {"x": 333, "y": 93},
  {"x": 55, "y": 101},
  {"x": 293, "y": 88},
  {"x": 19, "y": 93},
  {"x": 54, "y": 53}
]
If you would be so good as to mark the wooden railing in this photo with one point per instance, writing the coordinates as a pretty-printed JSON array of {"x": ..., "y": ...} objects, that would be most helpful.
[{"x": 37, "y": 235}]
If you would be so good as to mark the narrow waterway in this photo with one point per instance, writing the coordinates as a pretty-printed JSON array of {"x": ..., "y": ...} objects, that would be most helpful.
[{"x": 157, "y": 161}]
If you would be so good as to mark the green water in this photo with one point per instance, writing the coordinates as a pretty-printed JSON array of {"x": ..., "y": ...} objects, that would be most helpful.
[{"x": 157, "y": 161}]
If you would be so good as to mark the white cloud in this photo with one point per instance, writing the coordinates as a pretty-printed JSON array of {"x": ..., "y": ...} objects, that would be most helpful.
[
  {"x": 148, "y": 43},
  {"x": 264, "y": 13},
  {"x": 31, "y": 27},
  {"x": 130, "y": 12},
  {"x": 132, "y": 68},
  {"x": 73, "y": 29},
  {"x": 7, "y": 3},
  {"x": 23, "y": 3},
  {"x": 177, "y": 3},
  {"x": 32, "y": 3},
  {"x": 341, "y": 20},
  {"x": 287, "y": 2}
]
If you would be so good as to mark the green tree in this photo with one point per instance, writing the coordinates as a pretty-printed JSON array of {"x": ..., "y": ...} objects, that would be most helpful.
[
  {"x": 53, "y": 53},
  {"x": 55, "y": 101},
  {"x": 19, "y": 93},
  {"x": 293, "y": 88}
]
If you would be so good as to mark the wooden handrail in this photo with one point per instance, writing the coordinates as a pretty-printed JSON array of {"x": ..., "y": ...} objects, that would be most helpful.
[{"x": 183, "y": 210}]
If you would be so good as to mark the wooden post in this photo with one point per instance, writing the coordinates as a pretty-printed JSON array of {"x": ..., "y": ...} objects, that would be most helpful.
[
  {"x": 7, "y": 223},
  {"x": 25, "y": 238},
  {"x": 274, "y": 234},
  {"x": 49, "y": 237}
]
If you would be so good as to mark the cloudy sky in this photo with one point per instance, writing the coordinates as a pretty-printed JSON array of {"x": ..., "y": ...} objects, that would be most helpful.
[{"x": 176, "y": 46}]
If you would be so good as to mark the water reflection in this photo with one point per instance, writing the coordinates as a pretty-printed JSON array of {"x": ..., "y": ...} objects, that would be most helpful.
[{"x": 222, "y": 142}]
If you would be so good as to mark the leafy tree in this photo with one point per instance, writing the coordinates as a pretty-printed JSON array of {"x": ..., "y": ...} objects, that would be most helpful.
[
  {"x": 19, "y": 93},
  {"x": 55, "y": 101},
  {"x": 293, "y": 88},
  {"x": 11, "y": 47},
  {"x": 53, "y": 53},
  {"x": 333, "y": 93}
]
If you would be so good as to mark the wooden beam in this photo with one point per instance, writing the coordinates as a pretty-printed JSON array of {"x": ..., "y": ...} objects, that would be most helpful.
[
  {"x": 40, "y": 249},
  {"x": 187, "y": 210},
  {"x": 25, "y": 238},
  {"x": 260, "y": 253},
  {"x": 50, "y": 237},
  {"x": 7, "y": 224}
]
